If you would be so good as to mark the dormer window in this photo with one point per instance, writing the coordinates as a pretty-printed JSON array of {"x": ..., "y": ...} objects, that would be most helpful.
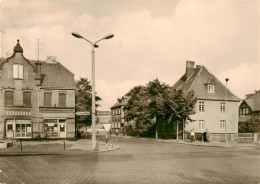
[
  {"x": 18, "y": 71},
  {"x": 211, "y": 88}
]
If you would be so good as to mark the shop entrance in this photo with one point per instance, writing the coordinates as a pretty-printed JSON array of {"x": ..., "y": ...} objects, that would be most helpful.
[{"x": 62, "y": 127}]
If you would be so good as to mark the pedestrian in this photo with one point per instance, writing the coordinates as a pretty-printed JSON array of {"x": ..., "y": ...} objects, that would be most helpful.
[
  {"x": 207, "y": 135},
  {"x": 192, "y": 136}
]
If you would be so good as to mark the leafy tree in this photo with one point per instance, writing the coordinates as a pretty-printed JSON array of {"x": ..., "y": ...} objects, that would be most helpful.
[
  {"x": 84, "y": 100},
  {"x": 157, "y": 103},
  {"x": 250, "y": 126}
]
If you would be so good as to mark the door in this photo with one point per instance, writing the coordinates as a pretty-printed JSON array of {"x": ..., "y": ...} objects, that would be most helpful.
[
  {"x": 10, "y": 128},
  {"x": 62, "y": 129}
]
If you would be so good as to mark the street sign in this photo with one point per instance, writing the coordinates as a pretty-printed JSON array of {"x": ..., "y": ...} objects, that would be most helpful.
[{"x": 82, "y": 113}]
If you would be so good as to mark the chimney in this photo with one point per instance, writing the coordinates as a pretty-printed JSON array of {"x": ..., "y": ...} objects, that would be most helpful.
[
  {"x": 51, "y": 59},
  {"x": 190, "y": 65}
]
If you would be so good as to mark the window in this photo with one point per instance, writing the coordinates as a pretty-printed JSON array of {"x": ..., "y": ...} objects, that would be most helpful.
[
  {"x": 9, "y": 128},
  {"x": 211, "y": 88},
  {"x": 244, "y": 111},
  {"x": 27, "y": 99},
  {"x": 9, "y": 98},
  {"x": 62, "y": 100},
  {"x": 201, "y": 124},
  {"x": 47, "y": 99},
  {"x": 18, "y": 71},
  {"x": 223, "y": 107},
  {"x": 222, "y": 125},
  {"x": 201, "y": 106}
]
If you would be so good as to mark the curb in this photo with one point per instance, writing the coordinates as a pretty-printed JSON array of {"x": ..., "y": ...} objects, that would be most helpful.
[{"x": 65, "y": 152}]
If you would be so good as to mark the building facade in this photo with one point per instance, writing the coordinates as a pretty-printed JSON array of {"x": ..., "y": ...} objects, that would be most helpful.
[
  {"x": 118, "y": 115},
  {"x": 216, "y": 108},
  {"x": 250, "y": 107},
  {"x": 36, "y": 98}
]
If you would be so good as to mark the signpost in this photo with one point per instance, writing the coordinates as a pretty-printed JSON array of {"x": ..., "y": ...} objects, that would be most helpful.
[{"x": 82, "y": 113}]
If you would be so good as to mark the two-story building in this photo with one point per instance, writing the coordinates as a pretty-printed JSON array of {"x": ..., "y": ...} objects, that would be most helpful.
[
  {"x": 36, "y": 98},
  {"x": 216, "y": 108}
]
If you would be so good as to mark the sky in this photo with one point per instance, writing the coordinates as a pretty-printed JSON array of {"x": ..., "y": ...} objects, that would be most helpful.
[{"x": 153, "y": 39}]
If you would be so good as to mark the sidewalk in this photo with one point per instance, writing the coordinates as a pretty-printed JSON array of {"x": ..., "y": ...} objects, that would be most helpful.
[
  {"x": 200, "y": 143},
  {"x": 59, "y": 147}
]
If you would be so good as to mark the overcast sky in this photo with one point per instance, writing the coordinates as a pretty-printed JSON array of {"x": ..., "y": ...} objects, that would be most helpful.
[{"x": 153, "y": 39}]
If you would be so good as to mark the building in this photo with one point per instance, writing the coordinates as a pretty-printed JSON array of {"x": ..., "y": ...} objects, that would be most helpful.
[
  {"x": 36, "y": 98},
  {"x": 250, "y": 107},
  {"x": 117, "y": 115},
  {"x": 215, "y": 110}
]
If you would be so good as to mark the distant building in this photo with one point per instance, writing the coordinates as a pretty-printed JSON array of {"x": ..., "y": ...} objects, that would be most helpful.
[
  {"x": 250, "y": 107},
  {"x": 212, "y": 111},
  {"x": 103, "y": 120},
  {"x": 36, "y": 98},
  {"x": 118, "y": 115}
]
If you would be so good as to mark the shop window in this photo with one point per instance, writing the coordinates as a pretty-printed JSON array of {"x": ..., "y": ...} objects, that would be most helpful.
[
  {"x": 9, "y": 98},
  {"x": 9, "y": 128},
  {"x": 62, "y": 100},
  {"x": 27, "y": 99},
  {"x": 47, "y": 99},
  {"x": 18, "y": 71}
]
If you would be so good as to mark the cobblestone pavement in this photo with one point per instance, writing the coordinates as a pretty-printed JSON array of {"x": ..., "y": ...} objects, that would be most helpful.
[{"x": 137, "y": 161}]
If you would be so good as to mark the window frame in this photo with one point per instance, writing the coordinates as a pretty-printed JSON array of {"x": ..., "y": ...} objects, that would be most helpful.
[
  {"x": 18, "y": 71},
  {"x": 223, "y": 125},
  {"x": 201, "y": 124},
  {"x": 223, "y": 107},
  {"x": 12, "y": 99},
  {"x": 44, "y": 99},
  {"x": 201, "y": 106},
  {"x": 30, "y": 99},
  {"x": 61, "y": 103},
  {"x": 211, "y": 88}
]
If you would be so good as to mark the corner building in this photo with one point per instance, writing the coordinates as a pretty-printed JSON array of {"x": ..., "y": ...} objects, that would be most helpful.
[{"x": 36, "y": 98}]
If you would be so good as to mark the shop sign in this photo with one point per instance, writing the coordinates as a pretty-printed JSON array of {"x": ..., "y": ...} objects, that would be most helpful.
[
  {"x": 50, "y": 124},
  {"x": 55, "y": 129}
]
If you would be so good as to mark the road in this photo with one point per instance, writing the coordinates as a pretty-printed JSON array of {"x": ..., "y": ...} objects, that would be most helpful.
[{"x": 137, "y": 161}]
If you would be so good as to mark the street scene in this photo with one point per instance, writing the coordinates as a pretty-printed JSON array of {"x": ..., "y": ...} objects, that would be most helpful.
[
  {"x": 137, "y": 161},
  {"x": 144, "y": 92}
]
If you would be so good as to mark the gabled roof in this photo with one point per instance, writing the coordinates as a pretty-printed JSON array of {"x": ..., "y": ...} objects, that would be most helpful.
[
  {"x": 120, "y": 102},
  {"x": 198, "y": 83},
  {"x": 253, "y": 101}
]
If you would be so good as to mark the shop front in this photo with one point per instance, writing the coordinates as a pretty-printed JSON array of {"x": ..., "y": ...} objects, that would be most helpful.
[
  {"x": 18, "y": 128},
  {"x": 55, "y": 128}
]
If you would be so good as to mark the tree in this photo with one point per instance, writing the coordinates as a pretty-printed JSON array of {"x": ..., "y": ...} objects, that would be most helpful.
[
  {"x": 250, "y": 126},
  {"x": 84, "y": 100},
  {"x": 157, "y": 103}
]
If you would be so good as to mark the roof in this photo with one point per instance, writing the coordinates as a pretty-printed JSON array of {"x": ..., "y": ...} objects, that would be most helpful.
[
  {"x": 120, "y": 102},
  {"x": 198, "y": 82},
  {"x": 55, "y": 75},
  {"x": 253, "y": 101}
]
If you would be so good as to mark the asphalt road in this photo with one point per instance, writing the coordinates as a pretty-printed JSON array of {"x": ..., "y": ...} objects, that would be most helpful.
[{"x": 137, "y": 161}]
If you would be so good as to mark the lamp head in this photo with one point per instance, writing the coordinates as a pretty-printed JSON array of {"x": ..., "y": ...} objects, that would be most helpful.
[
  {"x": 76, "y": 35},
  {"x": 227, "y": 79},
  {"x": 108, "y": 36}
]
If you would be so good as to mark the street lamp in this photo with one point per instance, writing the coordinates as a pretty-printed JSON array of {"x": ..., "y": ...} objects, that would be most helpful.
[
  {"x": 227, "y": 79},
  {"x": 93, "y": 83}
]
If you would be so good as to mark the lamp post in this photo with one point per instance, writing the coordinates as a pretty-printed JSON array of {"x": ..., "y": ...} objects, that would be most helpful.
[
  {"x": 93, "y": 83},
  {"x": 226, "y": 113}
]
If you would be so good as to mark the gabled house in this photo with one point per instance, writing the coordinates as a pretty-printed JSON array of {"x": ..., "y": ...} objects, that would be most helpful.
[
  {"x": 118, "y": 115},
  {"x": 216, "y": 109},
  {"x": 250, "y": 107},
  {"x": 36, "y": 98}
]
